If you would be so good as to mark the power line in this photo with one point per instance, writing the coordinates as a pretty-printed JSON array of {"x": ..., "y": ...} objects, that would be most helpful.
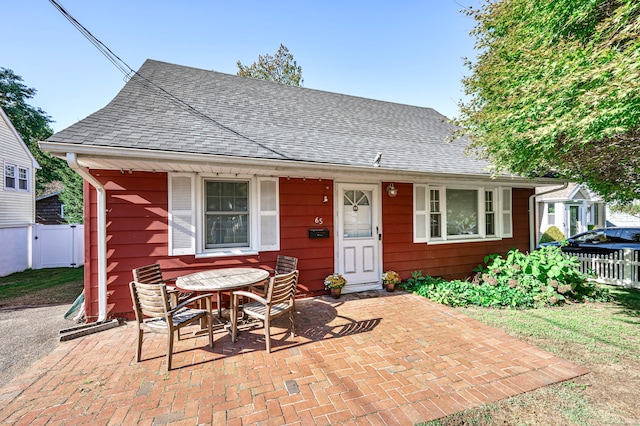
[{"x": 130, "y": 72}]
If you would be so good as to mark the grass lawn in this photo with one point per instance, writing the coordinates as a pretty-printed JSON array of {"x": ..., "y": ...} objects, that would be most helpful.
[
  {"x": 603, "y": 337},
  {"x": 41, "y": 287}
]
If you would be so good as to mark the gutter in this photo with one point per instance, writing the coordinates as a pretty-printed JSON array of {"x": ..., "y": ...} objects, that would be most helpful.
[
  {"x": 276, "y": 167},
  {"x": 72, "y": 160},
  {"x": 533, "y": 229}
]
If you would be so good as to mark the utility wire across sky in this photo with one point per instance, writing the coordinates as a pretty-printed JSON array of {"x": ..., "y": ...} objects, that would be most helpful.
[{"x": 130, "y": 72}]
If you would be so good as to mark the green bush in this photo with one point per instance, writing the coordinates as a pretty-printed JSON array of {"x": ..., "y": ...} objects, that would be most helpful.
[
  {"x": 552, "y": 234},
  {"x": 544, "y": 277}
]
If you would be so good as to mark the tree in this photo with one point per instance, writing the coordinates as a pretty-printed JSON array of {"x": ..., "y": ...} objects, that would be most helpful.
[
  {"x": 281, "y": 68},
  {"x": 33, "y": 125},
  {"x": 556, "y": 89}
]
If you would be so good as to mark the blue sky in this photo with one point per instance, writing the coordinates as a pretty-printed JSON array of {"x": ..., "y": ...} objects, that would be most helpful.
[{"x": 408, "y": 52}]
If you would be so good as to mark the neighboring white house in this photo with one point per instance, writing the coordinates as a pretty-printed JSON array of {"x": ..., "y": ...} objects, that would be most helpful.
[
  {"x": 572, "y": 210},
  {"x": 17, "y": 199}
]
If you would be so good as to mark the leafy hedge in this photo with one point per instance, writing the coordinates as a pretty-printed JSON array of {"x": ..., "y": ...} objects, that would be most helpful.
[
  {"x": 552, "y": 234},
  {"x": 543, "y": 277}
]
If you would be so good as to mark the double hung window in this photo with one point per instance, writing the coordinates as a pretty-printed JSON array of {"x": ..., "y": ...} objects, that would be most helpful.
[
  {"x": 16, "y": 177},
  {"x": 451, "y": 213},
  {"x": 226, "y": 214},
  {"x": 217, "y": 216}
]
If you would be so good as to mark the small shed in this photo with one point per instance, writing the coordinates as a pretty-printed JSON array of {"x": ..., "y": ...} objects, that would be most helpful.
[{"x": 50, "y": 210}]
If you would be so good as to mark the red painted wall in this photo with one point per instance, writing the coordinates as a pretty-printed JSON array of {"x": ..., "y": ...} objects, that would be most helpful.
[
  {"x": 137, "y": 235},
  {"x": 450, "y": 261}
]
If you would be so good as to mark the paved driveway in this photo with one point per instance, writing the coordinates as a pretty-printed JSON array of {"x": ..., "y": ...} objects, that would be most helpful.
[
  {"x": 392, "y": 359},
  {"x": 28, "y": 334}
]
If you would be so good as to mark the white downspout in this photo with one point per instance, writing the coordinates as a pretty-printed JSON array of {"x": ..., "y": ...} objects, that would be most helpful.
[
  {"x": 533, "y": 228},
  {"x": 72, "y": 159}
]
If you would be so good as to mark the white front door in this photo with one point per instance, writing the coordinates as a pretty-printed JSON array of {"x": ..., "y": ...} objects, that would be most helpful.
[{"x": 358, "y": 236}]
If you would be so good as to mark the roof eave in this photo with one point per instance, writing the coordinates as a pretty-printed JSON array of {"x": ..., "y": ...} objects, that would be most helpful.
[{"x": 113, "y": 158}]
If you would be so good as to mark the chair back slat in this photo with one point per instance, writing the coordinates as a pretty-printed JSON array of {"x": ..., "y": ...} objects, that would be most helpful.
[
  {"x": 150, "y": 274},
  {"x": 151, "y": 299},
  {"x": 286, "y": 264},
  {"x": 282, "y": 288}
]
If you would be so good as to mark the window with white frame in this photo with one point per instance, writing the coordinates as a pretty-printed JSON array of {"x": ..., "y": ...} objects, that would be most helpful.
[
  {"x": 235, "y": 216},
  {"x": 23, "y": 179},
  {"x": 462, "y": 212},
  {"x": 435, "y": 212},
  {"x": 489, "y": 213},
  {"x": 457, "y": 213},
  {"x": 226, "y": 214},
  {"x": 16, "y": 177},
  {"x": 551, "y": 213}
]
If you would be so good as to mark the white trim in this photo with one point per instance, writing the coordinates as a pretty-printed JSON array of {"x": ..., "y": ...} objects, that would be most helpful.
[
  {"x": 467, "y": 240},
  {"x": 16, "y": 177},
  {"x": 34, "y": 163},
  {"x": 181, "y": 214},
  {"x": 197, "y": 219},
  {"x": 264, "y": 212},
  {"x": 376, "y": 223},
  {"x": 480, "y": 235},
  {"x": 170, "y": 161},
  {"x": 101, "y": 226},
  {"x": 423, "y": 214},
  {"x": 504, "y": 231}
]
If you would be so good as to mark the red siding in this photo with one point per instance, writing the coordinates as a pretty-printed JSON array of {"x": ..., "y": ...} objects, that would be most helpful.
[
  {"x": 137, "y": 235},
  {"x": 457, "y": 260}
]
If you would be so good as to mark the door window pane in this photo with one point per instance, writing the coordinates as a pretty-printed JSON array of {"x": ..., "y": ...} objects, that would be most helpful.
[{"x": 357, "y": 216}]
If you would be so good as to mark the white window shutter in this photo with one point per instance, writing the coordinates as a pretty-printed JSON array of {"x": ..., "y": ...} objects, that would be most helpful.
[
  {"x": 182, "y": 220},
  {"x": 269, "y": 217},
  {"x": 507, "y": 215},
  {"x": 421, "y": 214}
]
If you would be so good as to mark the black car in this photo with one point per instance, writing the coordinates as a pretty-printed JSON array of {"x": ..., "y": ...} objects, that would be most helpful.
[{"x": 602, "y": 241}]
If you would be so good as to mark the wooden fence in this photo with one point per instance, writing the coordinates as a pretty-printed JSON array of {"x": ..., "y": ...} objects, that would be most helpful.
[{"x": 619, "y": 268}]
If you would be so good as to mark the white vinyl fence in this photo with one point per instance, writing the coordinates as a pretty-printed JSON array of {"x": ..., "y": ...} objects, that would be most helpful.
[
  {"x": 620, "y": 268},
  {"x": 56, "y": 246}
]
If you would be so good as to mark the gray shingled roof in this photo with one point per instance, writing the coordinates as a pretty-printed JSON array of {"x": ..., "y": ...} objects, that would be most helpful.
[{"x": 267, "y": 120}]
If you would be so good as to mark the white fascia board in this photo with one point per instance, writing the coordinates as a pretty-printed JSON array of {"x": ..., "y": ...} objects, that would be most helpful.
[
  {"x": 4, "y": 116},
  {"x": 277, "y": 168}
]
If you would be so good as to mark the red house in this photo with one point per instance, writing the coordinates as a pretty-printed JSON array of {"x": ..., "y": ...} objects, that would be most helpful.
[{"x": 195, "y": 169}]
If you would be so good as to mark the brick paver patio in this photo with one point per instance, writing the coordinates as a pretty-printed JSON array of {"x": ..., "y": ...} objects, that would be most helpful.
[{"x": 394, "y": 359}]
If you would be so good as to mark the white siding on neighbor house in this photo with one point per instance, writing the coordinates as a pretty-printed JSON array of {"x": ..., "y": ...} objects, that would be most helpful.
[{"x": 17, "y": 207}]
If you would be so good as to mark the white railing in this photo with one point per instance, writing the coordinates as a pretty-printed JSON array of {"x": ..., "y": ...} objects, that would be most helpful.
[{"x": 619, "y": 268}]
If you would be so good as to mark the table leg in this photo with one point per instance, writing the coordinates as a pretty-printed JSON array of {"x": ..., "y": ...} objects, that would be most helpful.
[
  {"x": 234, "y": 318},
  {"x": 219, "y": 300}
]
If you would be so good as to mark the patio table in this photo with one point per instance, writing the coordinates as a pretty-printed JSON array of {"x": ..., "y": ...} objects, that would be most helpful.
[{"x": 219, "y": 280}]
